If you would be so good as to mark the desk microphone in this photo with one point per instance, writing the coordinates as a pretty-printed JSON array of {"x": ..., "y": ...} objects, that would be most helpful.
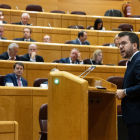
[{"x": 90, "y": 68}]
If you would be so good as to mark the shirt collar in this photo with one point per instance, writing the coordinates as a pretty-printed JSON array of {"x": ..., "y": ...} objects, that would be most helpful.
[
  {"x": 17, "y": 78},
  {"x": 26, "y": 39},
  {"x": 10, "y": 57},
  {"x": 133, "y": 55},
  {"x": 22, "y": 23},
  {"x": 79, "y": 41}
]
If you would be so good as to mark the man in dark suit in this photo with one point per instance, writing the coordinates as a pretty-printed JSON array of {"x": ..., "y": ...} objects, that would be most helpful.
[
  {"x": 2, "y": 33},
  {"x": 82, "y": 39},
  {"x": 75, "y": 58},
  {"x": 11, "y": 53},
  {"x": 2, "y": 18},
  {"x": 24, "y": 19},
  {"x": 32, "y": 54},
  {"x": 26, "y": 35},
  {"x": 15, "y": 77},
  {"x": 130, "y": 92}
]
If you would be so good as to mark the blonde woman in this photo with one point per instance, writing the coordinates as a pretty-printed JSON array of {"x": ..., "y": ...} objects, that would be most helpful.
[{"x": 97, "y": 58}]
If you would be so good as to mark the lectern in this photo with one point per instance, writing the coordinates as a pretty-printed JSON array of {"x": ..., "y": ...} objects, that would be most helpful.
[{"x": 79, "y": 111}]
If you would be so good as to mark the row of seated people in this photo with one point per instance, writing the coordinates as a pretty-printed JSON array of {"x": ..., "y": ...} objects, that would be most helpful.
[
  {"x": 81, "y": 40},
  {"x": 75, "y": 55}
]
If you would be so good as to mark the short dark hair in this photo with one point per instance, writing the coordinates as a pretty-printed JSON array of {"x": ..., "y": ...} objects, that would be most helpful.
[
  {"x": 18, "y": 63},
  {"x": 97, "y": 21},
  {"x": 2, "y": 12},
  {"x": 81, "y": 33},
  {"x": 132, "y": 37},
  {"x": 27, "y": 28}
]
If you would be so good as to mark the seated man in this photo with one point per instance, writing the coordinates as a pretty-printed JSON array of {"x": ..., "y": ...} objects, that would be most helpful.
[
  {"x": 1, "y": 18},
  {"x": 15, "y": 77},
  {"x": 24, "y": 19},
  {"x": 75, "y": 58},
  {"x": 31, "y": 55},
  {"x": 26, "y": 35},
  {"x": 47, "y": 39},
  {"x": 11, "y": 53},
  {"x": 2, "y": 33},
  {"x": 82, "y": 39}
]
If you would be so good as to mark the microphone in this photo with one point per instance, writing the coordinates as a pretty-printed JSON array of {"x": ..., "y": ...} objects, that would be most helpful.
[
  {"x": 93, "y": 67},
  {"x": 90, "y": 68}
]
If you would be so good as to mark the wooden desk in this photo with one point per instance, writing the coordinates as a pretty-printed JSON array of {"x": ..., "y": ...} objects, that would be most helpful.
[
  {"x": 22, "y": 105},
  {"x": 36, "y": 70},
  {"x": 8, "y": 130},
  {"x": 65, "y": 20},
  {"x": 52, "y": 51},
  {"x": 60, "y": 35}
]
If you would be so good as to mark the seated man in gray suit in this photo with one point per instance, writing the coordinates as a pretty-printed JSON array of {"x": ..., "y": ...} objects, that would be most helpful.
[
  {"x": 2, "y": 33},
  {"x": 1, "y": 18},
  {"x": 24, "y": 19},
  {"x": 75, "y": 58},
  {"x": 82, "y": 39},
  {"x": 26, "y": 35}
]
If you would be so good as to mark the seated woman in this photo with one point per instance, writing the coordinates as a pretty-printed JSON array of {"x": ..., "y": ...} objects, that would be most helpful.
[
  {"x": 97, "y": 58},
  {"x": 116, "y": 42},
  {"x": 98, "y": 25}
]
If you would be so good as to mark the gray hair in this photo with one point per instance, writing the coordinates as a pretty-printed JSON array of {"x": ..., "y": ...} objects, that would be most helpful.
[
  {"x": 12, "y": 45},
  {"x": 25, "y": 14},
  {"x": 32, "y": 45},
  {"x": 48, "y": 36},
  {"x": 75, "y": 49}
]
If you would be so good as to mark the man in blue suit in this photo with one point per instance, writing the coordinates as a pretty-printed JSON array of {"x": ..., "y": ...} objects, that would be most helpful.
[
  {"x": 130, "y": 92},
  {"x": 75, "y": 58},
  {"x": 82, "y": 39},
  {"x": 15, "y": 77}
]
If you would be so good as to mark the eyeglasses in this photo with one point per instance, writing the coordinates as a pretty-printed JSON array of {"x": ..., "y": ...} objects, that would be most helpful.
[{"x": 32, "y": 49}]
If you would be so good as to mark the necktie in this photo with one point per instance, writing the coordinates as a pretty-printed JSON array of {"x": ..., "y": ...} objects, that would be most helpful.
[{"x": 19, "y": 84}]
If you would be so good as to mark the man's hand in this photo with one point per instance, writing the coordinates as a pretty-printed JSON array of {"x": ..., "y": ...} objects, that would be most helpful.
[
  {"x": 79, "y": 56},
  {"x": 120, "y": 94},
  {"x": 33, "y": 55}
]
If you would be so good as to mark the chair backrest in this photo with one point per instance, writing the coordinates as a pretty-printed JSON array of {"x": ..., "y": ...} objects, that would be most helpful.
[
  {"x": 58, "y": 11},
  {"x": 86, "y": 60},
  {"x": 34, "y": 8},
  {"x": 113, "y": 13},
  {"x": 2, "y": 80},
  {"x": 88, "y": 27},
  {"x": 106, "y": 44},
  {"x": 39, "y": 81},
  {"x": 68, "y": 42},
  {"x": 125, "y": 27},
  {"x": 118, "y": 81},
  {"x": 76, "y": 27},
  {"x": 43, "y": 113},
  {"x": 56, "y": 61},
  {"x": 122, "y": 62},
  {"x": 78, "y": 13},
  {"x": 135, "y": 16},
  {"x": 5, "y": 6}
]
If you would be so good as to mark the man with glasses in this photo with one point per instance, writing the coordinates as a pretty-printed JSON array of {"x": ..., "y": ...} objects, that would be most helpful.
[
  {"x": 130, "y": 92},
  {"x": 2, "y": 33},
  {"x": 32, "y": 54},
  {"x": 11, "y": 53}
]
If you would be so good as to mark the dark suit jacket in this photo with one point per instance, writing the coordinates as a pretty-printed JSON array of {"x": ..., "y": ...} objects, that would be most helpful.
[
  {"x": 22, "y": 39},
  {"x": 3, "y": 38},
  {"x": 131, "y": 103},
  {"x": 76, "y": 41},
  {"x": 4, "y": 22},
  {"x": 19, "y": 23},
  {"x": 94, "y": 63},
  {"x": 11, "y": 78},
  {"x": 27, "y": 58},
  {"x": 67, "y": 60},
  {"x": 5, "y": 56}
]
